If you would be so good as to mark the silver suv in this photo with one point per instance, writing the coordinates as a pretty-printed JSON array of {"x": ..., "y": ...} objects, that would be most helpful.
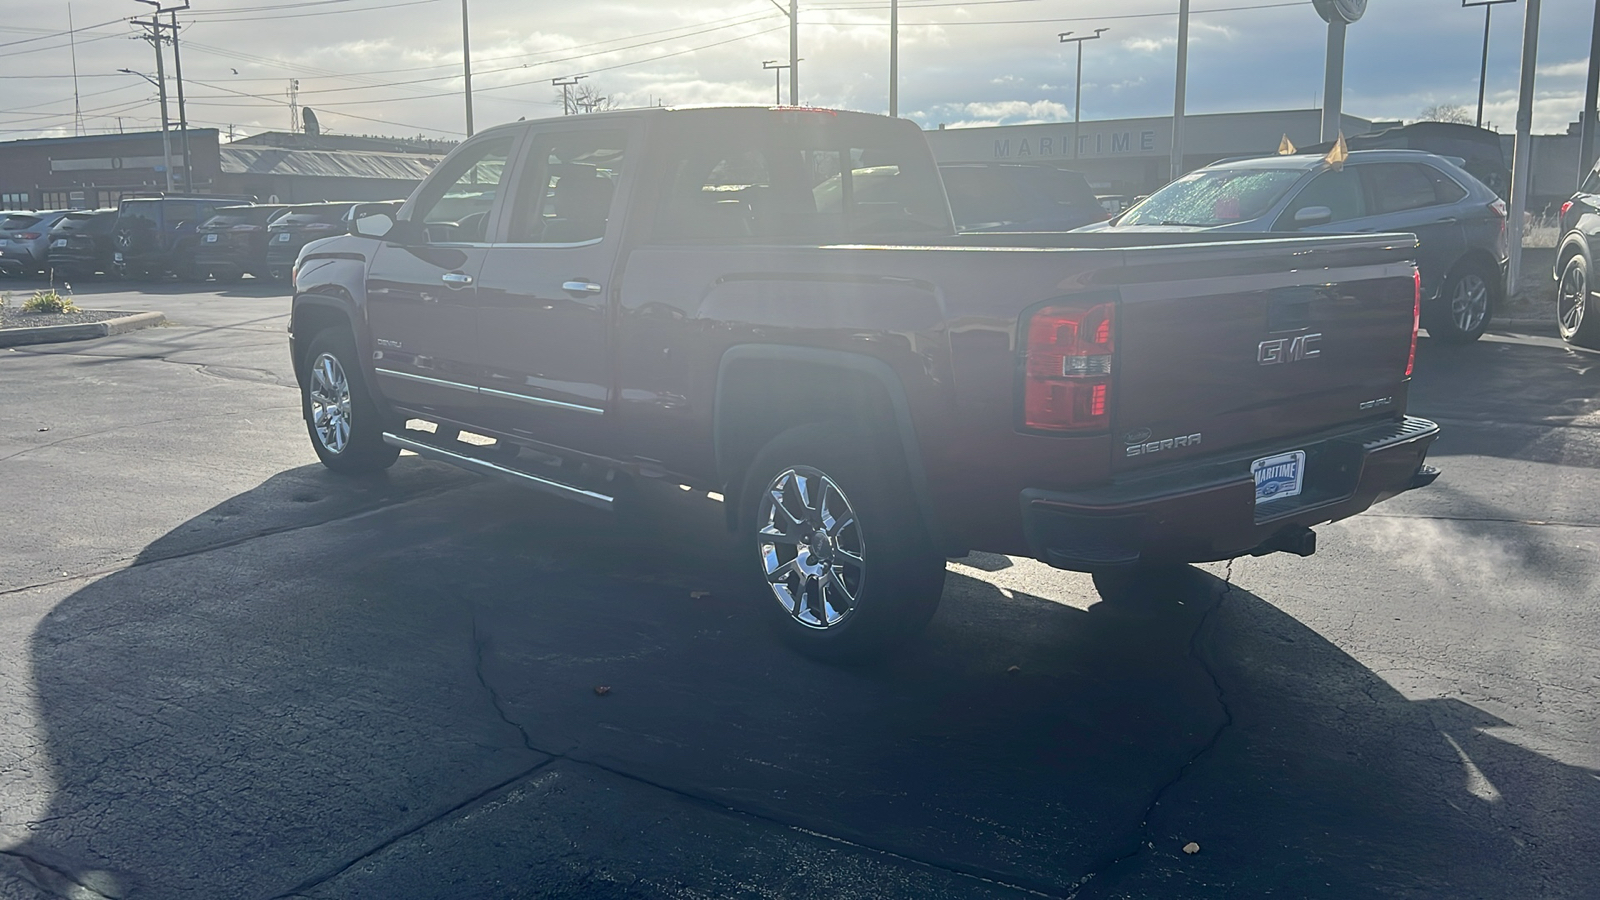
[{"x": 25, "y": 241}]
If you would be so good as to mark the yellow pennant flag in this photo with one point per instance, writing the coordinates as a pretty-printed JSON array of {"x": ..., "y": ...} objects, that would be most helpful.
[
  {"x": 1338, "y": 154},
  {"x": 1286, "y": 147}
]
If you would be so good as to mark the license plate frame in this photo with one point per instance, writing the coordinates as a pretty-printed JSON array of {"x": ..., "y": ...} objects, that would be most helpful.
[
  {"x": 211, "y": 239},
  {"x": 1279, "y": 476},
  {"x": 282, "y": 238}
]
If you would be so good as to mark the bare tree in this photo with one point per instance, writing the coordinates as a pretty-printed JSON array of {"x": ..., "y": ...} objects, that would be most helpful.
[
  {"x": 587, "y": 98},
  {"x": 1444, "y": 112}
]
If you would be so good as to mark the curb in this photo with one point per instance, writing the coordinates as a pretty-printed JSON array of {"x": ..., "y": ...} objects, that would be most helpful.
[{"x": 50, "y": 334}]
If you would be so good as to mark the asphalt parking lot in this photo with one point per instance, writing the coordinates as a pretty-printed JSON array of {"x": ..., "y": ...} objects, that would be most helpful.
[{"x": 226, "y": 672}]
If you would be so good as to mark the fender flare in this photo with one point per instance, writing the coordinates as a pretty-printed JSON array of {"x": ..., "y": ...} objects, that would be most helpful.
[{"x": 876, "y": 369}]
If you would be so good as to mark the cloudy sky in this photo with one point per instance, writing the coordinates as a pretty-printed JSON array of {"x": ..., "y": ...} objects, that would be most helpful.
[{"x": 393, "y": 66}]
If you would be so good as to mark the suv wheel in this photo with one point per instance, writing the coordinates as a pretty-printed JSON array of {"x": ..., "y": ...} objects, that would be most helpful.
[
  {"x": 846, "y": 569},
  {"x": 1463, "y": 310},
  {"x": 345, "y": 426},
  {"x": 1575, "y": 316}
]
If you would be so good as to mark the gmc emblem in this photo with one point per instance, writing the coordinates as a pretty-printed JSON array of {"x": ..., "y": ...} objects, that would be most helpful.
[{"x": 1285, "y": 350}]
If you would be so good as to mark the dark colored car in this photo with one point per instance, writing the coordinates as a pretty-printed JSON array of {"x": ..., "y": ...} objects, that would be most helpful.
[
  {"x": 233, "y": 242},
  {"x": 300, "y": 226},
  {"x": 775, "y": 305},
  {"x": 1577, "y": 314},
  {"x": 1008, "y": 197},
  {"x": 1459, "y": 222},
  {"x": 155, "y": 236},
  {"x": 80, "y": 244}
]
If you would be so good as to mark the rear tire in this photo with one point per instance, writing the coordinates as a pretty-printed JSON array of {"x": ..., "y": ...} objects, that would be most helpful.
[
  {"x": 845, "y": 569},
  {"x": 345, "y": 425},
  {"x": 1464, "y": 307},
  {"x": 1576, "y": 314}
]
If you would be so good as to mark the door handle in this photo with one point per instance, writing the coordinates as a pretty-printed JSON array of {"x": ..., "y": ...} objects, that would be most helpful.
[
  {"x": 456, "y": 280},
  {"x": 582, "y": 287},
  {"x": 1448, "y": 220}
]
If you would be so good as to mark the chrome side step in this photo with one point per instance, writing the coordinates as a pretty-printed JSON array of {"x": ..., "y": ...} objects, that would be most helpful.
[{"x": 484, "y": 467}]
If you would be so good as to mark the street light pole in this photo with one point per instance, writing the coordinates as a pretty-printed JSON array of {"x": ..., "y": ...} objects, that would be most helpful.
[
  {"x": 1077, "y": 100},
  {"x": 1483, "y": 67},
  {"x": 1181, "y": 90},
  {"x": 1522, "y": 153},
  {"x": 166, "y": 141},
  {"x": 777, "y": 79},
  {"x": 466, "y": 62},
  {"x": 894, "y": 58},
  {"x": 183, "y": 115}
]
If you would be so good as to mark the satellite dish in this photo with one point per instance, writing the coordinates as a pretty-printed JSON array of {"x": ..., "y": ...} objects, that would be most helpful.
[
  {"x": 1340, "y": 12},
  {"x": 313, "y": 127}
]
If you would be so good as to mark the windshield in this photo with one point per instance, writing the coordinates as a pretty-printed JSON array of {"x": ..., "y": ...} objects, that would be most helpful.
[{"x": 1215, "y": 197}]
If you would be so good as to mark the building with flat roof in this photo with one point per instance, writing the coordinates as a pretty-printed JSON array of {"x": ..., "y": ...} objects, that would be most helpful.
[{"x": 1132, "y": 156}]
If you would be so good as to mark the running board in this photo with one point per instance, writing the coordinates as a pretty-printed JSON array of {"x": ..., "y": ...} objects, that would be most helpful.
[{"x": 484, "y": 467}]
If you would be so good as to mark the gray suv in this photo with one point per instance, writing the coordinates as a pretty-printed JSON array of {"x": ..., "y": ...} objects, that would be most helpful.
[
  {"x": 25, "y": 241},
  {"x": 1460, "y": 224}
]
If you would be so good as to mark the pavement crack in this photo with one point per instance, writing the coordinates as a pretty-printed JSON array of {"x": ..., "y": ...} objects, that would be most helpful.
[
  {"x": 1508, "y": 520},
  {"x": 338, "y": 869},
  {"x": 1143, "y": 837}
]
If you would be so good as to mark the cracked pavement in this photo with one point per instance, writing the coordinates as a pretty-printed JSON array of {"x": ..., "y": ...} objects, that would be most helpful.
[{"x": 227, "y": 672}]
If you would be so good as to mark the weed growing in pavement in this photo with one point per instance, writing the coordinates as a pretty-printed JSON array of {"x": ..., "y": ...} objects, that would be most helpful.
[{"x": 49, "y": 302}]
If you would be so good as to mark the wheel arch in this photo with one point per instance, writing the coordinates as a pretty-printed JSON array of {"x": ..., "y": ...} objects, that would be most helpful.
[
  {"x": 1573, "y": 245},
  {"x": 1479, "y": 258},
  {"x": 765, "y": 389},
  {"x": 313, "y": 314}
]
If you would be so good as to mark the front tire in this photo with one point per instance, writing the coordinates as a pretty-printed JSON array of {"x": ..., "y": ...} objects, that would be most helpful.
[
  {"x": 1462, "y": 312},
  {"x": 1576, "y": 315},
  {"x": 847, "y": 572},
  {"x": 345, "y": 426}
]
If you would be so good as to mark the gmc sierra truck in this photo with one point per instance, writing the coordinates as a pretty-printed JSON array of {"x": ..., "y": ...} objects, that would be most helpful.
[{"x": 774, "y": 305}]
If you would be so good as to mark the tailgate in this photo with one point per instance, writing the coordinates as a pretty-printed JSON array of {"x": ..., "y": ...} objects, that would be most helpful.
[{"x": 1231, "y": 345}]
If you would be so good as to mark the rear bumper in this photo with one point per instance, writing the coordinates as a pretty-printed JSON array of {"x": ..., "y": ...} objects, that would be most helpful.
[{"x": 1206, "y": 511}]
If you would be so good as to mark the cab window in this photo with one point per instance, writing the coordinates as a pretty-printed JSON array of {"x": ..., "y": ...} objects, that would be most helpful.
[
  {"x": 455, "y": 208},
  {"x": 570, "y": 184}
]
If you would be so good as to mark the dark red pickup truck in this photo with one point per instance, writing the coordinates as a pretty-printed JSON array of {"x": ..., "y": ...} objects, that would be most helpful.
[{"x": 773, "y": 304}]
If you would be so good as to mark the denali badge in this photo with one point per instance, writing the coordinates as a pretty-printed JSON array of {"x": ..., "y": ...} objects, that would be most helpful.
[
  {"x": 1379, "y": 403},
  {"x": 1172, "y": 443},
  {"x": 1284, "y": 350},
  {"x": 392, "y": 345}
]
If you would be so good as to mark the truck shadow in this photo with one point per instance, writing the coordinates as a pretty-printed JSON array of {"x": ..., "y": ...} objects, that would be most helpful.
[{"x": 231, "y": 717}]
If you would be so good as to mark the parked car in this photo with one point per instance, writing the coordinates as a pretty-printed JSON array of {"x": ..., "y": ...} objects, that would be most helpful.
[
  {"x": 25, "y": 241},
  {"x": 1460, "y": 224},
  {"x": 155, "y": 236},
  {"x": 80, "y": 243},
  {"x": 1009, "y": 197},
  {"x": 1577, "y": 314},
  {"x": 233, "y": 242},
  {"x": 703, "y": 295},
  {"x": 299, "y": 226}
]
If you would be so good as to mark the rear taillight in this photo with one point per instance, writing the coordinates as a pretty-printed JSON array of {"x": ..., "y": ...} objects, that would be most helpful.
[
  {"x": 1566, "y": 208},
  {"x": 27, "y": 236},
  {"x": 1416, "y": 319},
  {"x": 1067, "y": 370},
  {"x": 1498, "y": 207}
]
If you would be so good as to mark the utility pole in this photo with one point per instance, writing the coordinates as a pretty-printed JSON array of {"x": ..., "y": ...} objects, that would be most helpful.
[
  {"x": 160, "y": 81},
  {"x": 1522, "y": 155},
  {"x": 777, "y": 77},
  {"x": 466, "y": 62},
  {"x": 894, "y": 58},
  {"x": 1077, "y": 101},
  {"x": 794, "y": 49},
  {"x": 183, "y": 115},
  {"x": 1483, "y": 67},
  {"x": 77, "y": 107},
  {"x": 564, "y": 84},
  {"x": 1182, "y": 89},
  {"x": 1591, "y": 99}
]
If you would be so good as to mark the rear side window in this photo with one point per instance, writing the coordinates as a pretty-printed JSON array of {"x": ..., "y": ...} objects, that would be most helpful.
[
  {"x": 1339, "y": 191},
  {"x": 797, "y": 179},
  {"x": 566, "y": 197},
  {"x": 140, "y": 213},
  {"x": 182, "y": 211},
  {"x": 1445, "y": 188},
  {"x": 1397, "y": 187}
]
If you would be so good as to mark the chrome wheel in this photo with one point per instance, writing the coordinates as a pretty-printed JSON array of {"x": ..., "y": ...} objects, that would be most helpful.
[
  {"x": 329, "y": 395},
  {"x": 1572, "y": 298},
  {"x": 1470, "y": 302},
  {"x": 811, "y": 547}
]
